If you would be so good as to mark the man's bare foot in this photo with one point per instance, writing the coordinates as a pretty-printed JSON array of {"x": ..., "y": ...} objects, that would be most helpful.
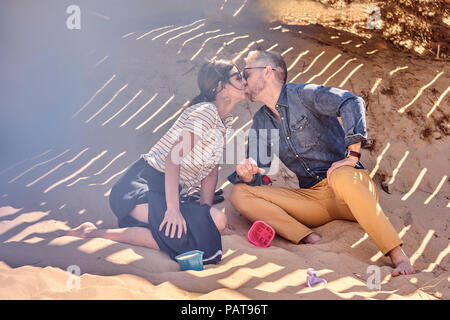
[
  {"x": 401, "y": 262},
  {"x": 81, "y": 230},
  {"x": 311, "y": 238}
]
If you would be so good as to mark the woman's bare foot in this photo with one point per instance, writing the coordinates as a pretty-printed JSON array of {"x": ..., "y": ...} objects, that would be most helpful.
[
  {"x": 401, "y": 262},
  {"x": 81, "y": 230},
  {"x": 311, "y": 238}
]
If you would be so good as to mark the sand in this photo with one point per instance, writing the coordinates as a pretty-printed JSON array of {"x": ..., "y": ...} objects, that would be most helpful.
[{"x": 46, "y": 193}]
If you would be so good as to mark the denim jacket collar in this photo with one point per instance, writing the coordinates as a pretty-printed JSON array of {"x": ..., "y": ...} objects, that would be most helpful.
[{"x": 282, "y": 101}]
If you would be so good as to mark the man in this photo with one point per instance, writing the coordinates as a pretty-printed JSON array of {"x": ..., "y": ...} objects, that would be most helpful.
[{"x": 323, "y": 154}]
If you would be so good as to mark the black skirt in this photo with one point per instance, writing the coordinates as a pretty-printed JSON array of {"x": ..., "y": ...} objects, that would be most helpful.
[{"x": 142, "y": 183}]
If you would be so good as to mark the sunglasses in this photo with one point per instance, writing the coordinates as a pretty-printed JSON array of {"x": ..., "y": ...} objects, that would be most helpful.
[{"x": 246, "y": 75}]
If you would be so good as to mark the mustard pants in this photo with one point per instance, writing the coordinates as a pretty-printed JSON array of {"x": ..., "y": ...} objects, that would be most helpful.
[{"x": 352, "y": 196}]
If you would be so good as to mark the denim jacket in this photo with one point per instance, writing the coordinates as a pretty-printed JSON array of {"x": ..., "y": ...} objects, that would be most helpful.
[{"x": 309, "y": 137}]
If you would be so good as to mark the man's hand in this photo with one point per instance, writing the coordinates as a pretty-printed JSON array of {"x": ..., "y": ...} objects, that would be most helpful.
[
  {"x": 350, "y": 161},
  {"x": 247, "y": 168}
]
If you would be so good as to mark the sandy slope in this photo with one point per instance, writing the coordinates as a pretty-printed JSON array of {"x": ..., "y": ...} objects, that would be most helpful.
[{"x": 409, "y": 159}]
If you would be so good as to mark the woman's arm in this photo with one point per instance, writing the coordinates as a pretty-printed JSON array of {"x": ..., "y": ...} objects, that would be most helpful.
[
  {"x": 208, "y": 188},
  {"x": 173, "y": 216}
]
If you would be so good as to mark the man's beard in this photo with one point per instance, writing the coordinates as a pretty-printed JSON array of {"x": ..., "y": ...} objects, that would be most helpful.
[{"x": 252, "y": 94}]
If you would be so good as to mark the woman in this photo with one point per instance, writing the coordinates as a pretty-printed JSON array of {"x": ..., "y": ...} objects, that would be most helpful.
[{"x": 146, "y": 198}]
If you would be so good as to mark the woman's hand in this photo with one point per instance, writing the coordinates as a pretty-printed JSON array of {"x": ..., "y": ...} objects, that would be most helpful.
[{"x": 174, "y": 219}]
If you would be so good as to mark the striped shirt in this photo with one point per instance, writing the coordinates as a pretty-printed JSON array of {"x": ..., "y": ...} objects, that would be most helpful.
[{"x": 204, "y": 121}]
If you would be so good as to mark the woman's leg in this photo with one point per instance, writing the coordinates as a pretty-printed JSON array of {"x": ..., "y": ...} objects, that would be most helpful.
[
  {"x": 138, "y": 236},
  {"x": 220, "y": 220}
]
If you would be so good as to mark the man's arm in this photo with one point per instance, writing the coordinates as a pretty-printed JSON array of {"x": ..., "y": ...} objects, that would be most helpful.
[
  {"x": 254, "y": 144},
  {"x": 335, "y": 102}
]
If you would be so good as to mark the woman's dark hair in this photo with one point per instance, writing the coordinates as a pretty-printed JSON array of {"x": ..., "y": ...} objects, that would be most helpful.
[{"x": 209, "y": 76}]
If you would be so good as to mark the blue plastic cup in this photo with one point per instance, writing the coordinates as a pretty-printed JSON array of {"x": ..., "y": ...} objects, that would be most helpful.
[{"x": 191, "y": 260}]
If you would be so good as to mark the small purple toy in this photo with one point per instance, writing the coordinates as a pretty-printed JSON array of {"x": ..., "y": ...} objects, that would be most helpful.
[{"x": 312, "y": 279}]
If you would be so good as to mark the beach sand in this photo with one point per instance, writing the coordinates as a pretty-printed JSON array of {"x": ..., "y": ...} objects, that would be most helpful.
[{"x": 49, "y": 192}]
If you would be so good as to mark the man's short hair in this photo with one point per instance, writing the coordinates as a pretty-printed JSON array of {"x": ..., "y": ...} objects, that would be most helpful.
[{"x": 274, "y": 58}]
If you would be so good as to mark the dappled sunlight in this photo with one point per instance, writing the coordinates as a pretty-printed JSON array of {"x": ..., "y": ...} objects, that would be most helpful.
[
  {"x": 415, "y": 185},
  {"x": 110, "y": 178},
  {"x": 441, "y": 183},
  {"x": 94, "y": 95},
  {"x": 124, "y": 257},
  {"x": 123, "y": 108},
  {"x": 57, "y": 167},
  {"x": 225, "y": 44},
  {"x": 107, "y": 104},
  {"x": 140, "y": 109},
  {"x": 287, "y": 50},
  {"x": 272, "y": 47},
  {"x": 154, "y": 30},
  {"x": 397, "y": 69},
  {"x": 245, "y": 50},
  {"x": 127, "y": 35},
  {"x": 375, "y": 85},
  {"x": 419, "y": 93},
  {"x": 324, "y": 69},
  {"x": 195, "y": 37},
  {"x": 248, "y": 123},
  {"x": 155, "y": 113},
  {"x": 443, "y": 254},
  {"x": 379, "y": 158},
  {"x": 185, "y": 32},
  {"x": 176, "y": 29},
  {"x": 350, "y": 75},
  {"x": 37, "y": 165},
  {"x": 396, "y": 170},
  {"x": 107, "y": 193},
  {"x": 225, "y": 185},
  {"x": 401, "y": 234},
  {"x": 294, "y": 278},
  {"x": 422, "y": 247},
  {"x": 438, "y": 102},
  {"x": 308, "y": 68},
  {"x": 171, "y": 117},
  {"x": 99, "y": 172},
  {"x": 101, "y": 61},
  {"x": 76, "y": 172},
  {"x": 20, "y": 162},
  {"x": 245, "y": 274},
  {"x": 210, "y": 38},
  {"x": 339, "y": 70},
  {"x": 93, "y": 245},
  {"x": 296, "y": 59},
  {"x": 363, "y": 238},
  {"x": 240, "y": 260},
  {"x": 27, "y": 217}
]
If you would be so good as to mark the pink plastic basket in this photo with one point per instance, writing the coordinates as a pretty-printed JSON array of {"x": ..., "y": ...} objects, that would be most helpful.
[{"x": 261, "y": 234}]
